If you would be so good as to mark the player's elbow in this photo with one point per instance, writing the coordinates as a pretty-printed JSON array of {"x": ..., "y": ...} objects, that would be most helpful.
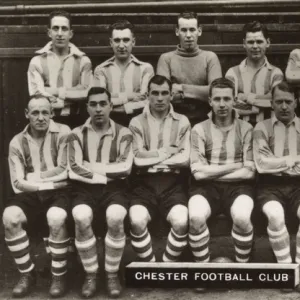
[
  {"x": 138, "y": 162},
  {"x": 292, "y": 76},
  {"x": 200, "y": 176},
  {"x": 249, "y": 174}
]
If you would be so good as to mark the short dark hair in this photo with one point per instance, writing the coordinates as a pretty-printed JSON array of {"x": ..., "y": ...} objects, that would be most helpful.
[
  {"x": 60, "y": 13},
  {"x": 98, "y": 90},
  {"x": 159, "y": 80},
  {"x": 121, "y": 25},
  {"x": 187, "y": 15},
  {"x": 284, "y": 87},
  {"x": 221, "y": 83},
  {"x": 255, "y": 26}
]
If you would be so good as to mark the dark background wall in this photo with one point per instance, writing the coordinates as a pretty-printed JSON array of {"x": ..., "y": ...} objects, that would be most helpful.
[{"x": 23, "y": 30}]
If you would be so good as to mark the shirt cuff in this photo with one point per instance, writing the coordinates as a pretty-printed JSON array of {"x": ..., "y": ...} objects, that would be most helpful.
[
  {"x": 162, "y": 153},
  {"x": 128, "y": 108},
  {"x": 100, "y": 179},
  {"x": 123, "y": 97},
  {"x": 62, "y": 93},
  {"x": 46, "y": 186},
  {"x": 250, "y": 98}
]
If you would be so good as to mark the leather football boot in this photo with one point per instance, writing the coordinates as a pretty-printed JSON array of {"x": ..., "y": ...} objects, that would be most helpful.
[
  {"x": 58, "y": 286},
  {"x": 26, "y": 282},
  {"x": 89, "y": 287},
  {"x": 113, "y": 285}
]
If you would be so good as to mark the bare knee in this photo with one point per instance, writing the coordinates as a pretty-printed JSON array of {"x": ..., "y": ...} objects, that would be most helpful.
[
  {"x": 83, "y": 216},
  {"x": 115, "y": 215},
  {"x": 13, "y": 218},
  {"x": 56, "y": 218},
  {"x": 139, "y": 219},
  {"x": 199, "y": 211},
  {"x": 275, "y": 214},
  {"x": 178, "y": 217},
  {"x": 241, "y": 211}
]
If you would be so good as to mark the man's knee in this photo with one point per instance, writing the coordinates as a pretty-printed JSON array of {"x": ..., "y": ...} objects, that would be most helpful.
[
  {"x": 241, "y": 211},
  {"x": 56, "y": 217},
  {"x": 139, "y": 218},
  {"x": 275, "y": 214},
  {"x": 115, "y": 215},
  {"x": 199, "y": 211},
  {"x": 178, "y": 217},
  {"x": 13, "y": 217},
  {"x": 83, "y": 216}
]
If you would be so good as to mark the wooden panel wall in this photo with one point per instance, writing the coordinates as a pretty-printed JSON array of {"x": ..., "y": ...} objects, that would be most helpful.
[{"x": 23, "y": 33}]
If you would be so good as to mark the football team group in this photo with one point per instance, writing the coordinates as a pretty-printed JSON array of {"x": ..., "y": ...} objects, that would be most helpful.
[{"x": 184, "y": 143}]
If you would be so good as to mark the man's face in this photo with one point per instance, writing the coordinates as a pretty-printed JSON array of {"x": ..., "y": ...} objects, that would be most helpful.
[
  {"x": 284, "y": 105},
  {"x": 159, "y": 97},
  {"x": 39, "y": 114},
  {"x": 188, "y": 32},
  {"x": 122, "y": 42},
  {"x": 256, "y": 45},
  {"x": 99, "y": 109},
  {"x": 60, "y": 32},
  {"x": 221, "y": 102}
]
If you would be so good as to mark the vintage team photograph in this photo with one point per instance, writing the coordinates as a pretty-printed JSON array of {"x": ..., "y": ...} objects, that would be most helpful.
[{"x": 150, "y": 149}]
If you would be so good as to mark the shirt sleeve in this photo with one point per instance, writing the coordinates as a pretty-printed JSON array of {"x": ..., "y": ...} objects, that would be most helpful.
[
  {"x": 197, "y": 149},
  {"x": 141, "y": 99},
  {"x": 214, "y": 71},
  {"x": 182, "y": 158},
  {"x": 122, "y": 166},
  {"x": 80, "y": 91},
  {"x": 35, "y": 79},
  {"x": 163, "y": 67},
  {"x": 17, "y": 170},
  {"x": 99, "y": 79},
  {"x": 77, "y": 171},
  {"x": 59, "y": 172},
  {"x": 139, "y": 146},
  {"x": 248, "y": 149},
  {"x": 292, "y": 72},
  {"x": 265, "y": 160}
]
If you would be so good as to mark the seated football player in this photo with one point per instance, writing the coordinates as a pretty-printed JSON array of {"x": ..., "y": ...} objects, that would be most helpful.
[
  {"x": 100, "y": 158},
  {"x": 223, "y": 171},
  {"x": 277, "y": 158},
  {"x": 38, "y": 171},
  {"x": 161, "y": 145}
]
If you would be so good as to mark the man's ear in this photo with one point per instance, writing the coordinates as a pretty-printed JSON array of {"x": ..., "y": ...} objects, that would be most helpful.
[
  {"x": 26, "y": 113},
  {"x": 209, "y": 101},
  {"x": 177, "y": 31},
  {"x": 200, "y": 30},
  {"x": 133, "y": 41},
  {"x": 51, "y": 113},
  {"x": 49, "y": 33},
  {"x": 110, "y": 41},
  {"x": 71, "y": 33},
  {"x": 268, "y": 42},
  {"x": 244, "y": 43}
]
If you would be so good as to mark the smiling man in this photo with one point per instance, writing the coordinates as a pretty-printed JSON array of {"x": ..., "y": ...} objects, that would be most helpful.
[
  {"x": 161, "y": 145},
  {"x": 277, "y": 159},
  {"x": 254, "y": 77},
  {"x": 123, "y": 75},
  {"x": 38, "y": 171},
  {"x": 190, "y": 70},
  {"x": 61, "y": 72},
  {"x": 223, "y": 171},
  {"x": 100, "y": 159}
]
